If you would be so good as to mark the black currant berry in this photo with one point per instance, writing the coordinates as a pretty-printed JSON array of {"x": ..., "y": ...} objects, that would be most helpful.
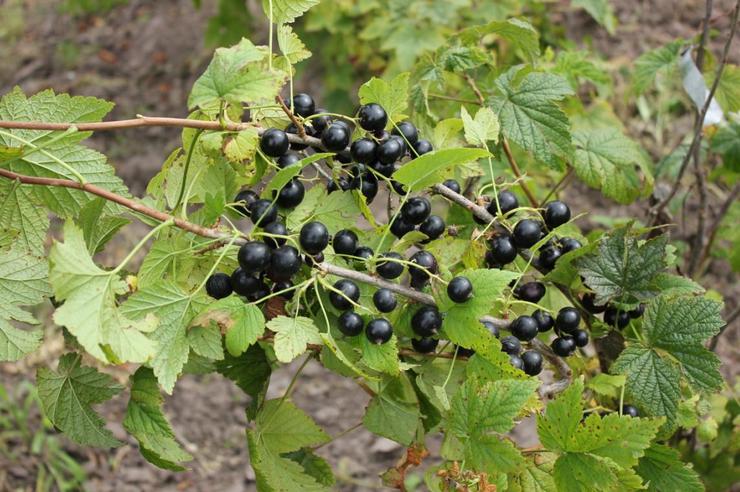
[
  {"x": 459, "y": 289},
  {"x": 545, "y": 322},
  {"x": 288, "y": 159},
  {"x": 506, "y": 200},
  {"x": 291, "y": 195},
  {"x": 390, "y": 151},
  {"x": 314, "y": 237},
  {"x": 399, "y": 227},
  {"x": 416, "y": 210},
  {"x": 243, "y": 283},
  {"x": 344, "y": 242},
  {"x": 284, "y": 285},
  {"x": 335, "y": 138},
  {"x": 502, "y": 249},
  {"x": 426, "y": 321},
  {"x": 260, "y": 293},
  {"x": 464, "y": 352},
  {"x": 314, "y": 260},
  {"x": 373, "y": 117},
  {"x": 384, "y": 300},
  {"x": 407, "y": 131},
  {"x": 563, "y": 346},
  {"x": 511, "y": 345},
  {"x": 532, "y": 362},
  {"x": 399, "y": 188},
  {"x": 364, "y": 253},
  {"x": 303, "y": 105},
  {"x": 293, "y": 130},
  {"x": 453, "y": 185},
  {"x": 363, "y": 150},
  {"x": 567, "y": 320},
  {"x": 254, "y": 256},
  {"x": 516, "y": 361},
  {"x": 244, "y": 199},
  {"x": 637, "y": 312},
  {"x": 433, "y": 227},
  {"x": 587, "y": 301},
  {"x": 342, "y": 183},
  {"x": 386, "y": 170},
  {"x": 616, "y": 318},
  {"x": 548, "y": 257},
  {"x": 218, "y": 286},
  {"x": 278, "y": 229},
  {"x": 379, "y": 331},
  {"x": 350, "y": 323},
  {"x": 422, "y": 264},
  {"x": 350, "y": 294},
  {"x": 320, "y": 123},
  {"x": 581, "y": 338},
  {"x": 424, "y": 345},
  {"x": 530, "y": 292},
  {"x": 389, "y": 269},
  {"x": 368, "y": 185},
  {"x": 630, "y": 410},
  {"x": 263, "y": 212},
  {"x": 557, "y": 213},
  {"x": 492, "y": 329},
  {"x": 568, "y": 244},
  {"x": 422, "y": 147},
  {"x": 526, "y": 233},
  {"x": 525, "y": 328},
  {"x": 274, "y": 142},
  {"x": 285, "y": 262}
]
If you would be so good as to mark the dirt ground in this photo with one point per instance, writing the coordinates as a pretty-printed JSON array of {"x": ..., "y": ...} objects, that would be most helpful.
[{"x": 145, "y": 56}]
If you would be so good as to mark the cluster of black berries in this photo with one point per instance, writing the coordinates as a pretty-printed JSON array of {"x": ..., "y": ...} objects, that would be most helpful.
[{"x": 613, "y": 316}]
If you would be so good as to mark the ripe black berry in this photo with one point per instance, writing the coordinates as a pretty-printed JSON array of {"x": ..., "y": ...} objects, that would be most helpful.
[
  {"x": 407, "y": 131},
  {"x": 335, "y": 138},
  {"x": 568, "y": 244},
  {"x": 427, "y": 264},
  {"x": 389, "y": 269},
  {"x": 548, "y": 257},
  {"x": 453, "y": 185},
  {"x": 320, "y": 123},
  {"x": 426, "y": 321},
  {"x": 344, "y": 242},
  {"x": 293, "y": 130},
  {"x": 261, "y": 292},
  {"x": 386, "y": 170},
  {"x": 433, "y": 227},
  {"x": 368, "y": 185},
  {"x": 532, "y": 362},
  {"x": 567, "y": 320},
  {"x": 492, "y": 329},
  {"x": 350, "y": 323},
  {"x": 459, "y": 289},
  {"x": 384, "y": 300},
  {"x": 363, "y": 150},
  {"x": 399, "y": 227},
  {"x": 581, "y": 338},
  {"x": 244, "y": 199},
  {"x": 243, "y": 283},
  {"x": 588, "y": 304},
  {"x": 506, "y": 200},
  {"x": 616, "y": 318},
  {"x": 416, "y": 210},
  {"x": 263, "y": 212},
  {"x": 525, "y": 328},
  {"x": 303, "y": 105},
  {"x": 511, "y": 345},
  {"x": 424, "y": 345},
  {"x": 379, "y": 331},
  {"x": 288, "y": 159},
  {"x": 502, "y": 249},
  {"x": 563, "y": 346},
  {"x": 530, "y": 292},
  {"x": 364, "y": 253},
  {"x": 314, "y": 237},
  {"x": 422, "y": 147},
  {"x": 291, "y": 195},
  {"x": 285, "y": 262},
  {"x": 350, "y": 293},
  {"x": 630, "y": 410},
  {"x": 277, "y": 228},
  {"x": 314, "y": 260},
  {"x": 399, "y": 188},
  {"x": 544, "y": 320},
  {"x": 218, "y": 286},
  {"x": 274, "y": 142},
  {"x": 516, "y": 361},
  {"x": 342, "y": 183},
  {"x": 556, "y": 213},
  {"x": 464, "y": 352},
  {"x": 281, "y": 286},
  {"x": 390, "y": 151},
  {"x": 254, "y": 256},
  {"x": 637, "y": 312},
  {"x": 526, "y": 233},
  {"x": 373, "y": 117}
]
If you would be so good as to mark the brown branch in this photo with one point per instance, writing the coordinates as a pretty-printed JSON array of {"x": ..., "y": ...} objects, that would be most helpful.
[
  {"x": 476, "y": 209},
  {"x": 564, "y": 372},
  {"x": 557, "y": 186},
  {"x": 478, "y": 94},
  {"x": 415, "y": 295},
  {"x": 299, "y": 126},
  {"x": 518, "y": 173}
]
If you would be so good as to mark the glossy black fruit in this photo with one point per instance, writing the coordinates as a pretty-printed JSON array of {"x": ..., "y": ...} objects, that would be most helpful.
[
  {"x": 630, "y": 410},
  {"x": 422, "y": 147},
  {"x": 260, "y": 293},
  {"x": 422, "y": 264},
  {"x": 637, "y": 312},
  {"x": 516, "y": 361},
  {"x": 285, "y": 262},
  {"x": 407, "y": 131},
  {"x": 274, "y": 142},
  {"x": 320, "y": 123},
  {"x": 556, "y": 214},
  {"x": 464, "y": 352},
  {"x": 568, "y": 244},
  {"x": 530, "y": 292},
  {"x": 218, "y": 286},
  {"x": 363, "y": 150},
  {"x": 350, "y": 323},
  {"x": 291, "y": 195},
  {"x": 364, "y": 252},
  {"x": 373, "y": 117},
  {"x": 314, "y": 260},
  {"x": 244, "y": 200},
  {"x": 400, "y": 227},
  {"x": 545, "y": 322},
  {"x": 426, "y": 321},
  {"x": 567, "y": 320},
  {"x": 384, "y": 300},
  {"x": 616, "y": 318},
  {"x": 254, "y": 256},
  {"x": 525, "y": 328},
  {"x": 263, "y": 212},
  {"x": 293, "y": 130},
  {"x": 526, "y": 233},
  {"x": 277, "y": 228},
  {"x": 416, "y": 210},
  {"x": 548, "y": 257},
  {"x": 424, "y": 345},
  {"x": 581, "y": 338},
  {"x": 563, "y": 346},
  {"x": 532, "y": 362},
  {"x": 511, "y": 345},
  {"x": 336, "y": 137},
  {"x": 502, "y": 249},
  {"x": 379, "y": 331},
  {"x": 243, "y": 283},
  {"x": 390, "y": 151},
  {"x": 389, "y": 269},
  {"x": 314, "y": 237},
  {"x": 344, "y": 242},
  {"x": 288, "y": 159},
  {"x": 386, "y": 170},
  {"x": 433, "y": 227},
  {"x": 281, "y": 286},
  {"x": 459, "y": 289},
  {"x": 507, "y": 201},
  {"x": 453, "y": 185},
  {"x": 368, "y": 185},
  {"x": 492, "y": 329},
  {"x": 587, "y": 301},
  {"x": 399, "y": 188},
  {"x": 342, "y": 183},
  {"x": 349, "y": 295},
  {"x": 303, "y": 105}
]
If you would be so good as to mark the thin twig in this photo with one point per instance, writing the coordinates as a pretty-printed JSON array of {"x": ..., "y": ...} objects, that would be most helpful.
[
  {"x": 299, "y": 126},
  {"x": 476, "y": 209},
  {"x": 562, "y": 368},
  {"x": 518, "y": 173},
  {"x": 415, "y": 295},
  {"x": 478, "y": 94},
  {"x": 557, "y": 186}
]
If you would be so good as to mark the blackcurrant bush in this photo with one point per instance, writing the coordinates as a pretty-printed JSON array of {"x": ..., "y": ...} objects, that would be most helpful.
[
  {"x": 384, "y": 300},
  {"x": 218, "y": 286},
  {"x": 526, "y": 233},
  {"x": 637, "y": 312},
  {"x": 545, "y": 322},
  {"x": 303, "y": 105},
  {"x": 557, "y": 213},
  {"x": 390, "y": 151},
  {"x": 416, "y": 210},
  {"x": 502, "y": 249},
  {"x": 563, "y": 346},
  {"x": 348, "y": 294},
  {"x": 581, "y": 338},
  {"x": 350, "y": 323},
  {"x": 531, "y": 292},
  {"x": 630, "y": 410},
  {"x": 244, "y": 199},
  {"x": 387, "y": 268},
  {"x": 506, "y": 200},
  {"x": 291, "y": 195},
  {"x": 379, "y": 331},
  {"x": 363, "y": 150},
  {"x": 424, "y": 345},
  {"x": 373, "y": 117},
  {"x": 567, "y": 320},
  {"x": 314, "y": 237},
  {"x": 516, "y": 361},
  {"x": 288, "y": 159},
  {"x": 263, "y": 212},
  {"x": 285, "y": 262},
  {"x": 335, "y": 138},
  {"x": 426, "y": 321},
  {"x": 254, "y": 257},
  {"x": 433, "y": 227},
  {"x": 453, "y": 185},
  {"x": 548, "y": 257},
  {"x": 511, "y": 345},
  {"x": 459, "y": 289},
  {"x": 525, "y": 328},
  {"x": 616, "y": 318},
  {"x": 423, "y": 263},
  {"x": 422, "y": 147},
  {"x": 274, "y": 142},
  {"x": 278, "y": 229},
  {"x": 492, "y": 329},
  {"x": 344, "y": 242},
  {"x": 588, "y": 304},
  {"x": 281, "y": 286},
  {"x": 243, "y": 283},
  {"x": 532, "y": 362},
  {"x": 407, "y": 131}
]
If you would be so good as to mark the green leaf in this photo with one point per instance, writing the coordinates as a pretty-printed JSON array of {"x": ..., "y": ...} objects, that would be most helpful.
[
  {"x": 380, "y": 357},
  {"x": 562, "y": 418},
  {"x": 392, "y": 95},
  {"x": 482, "y": 128},
  {"x": 206, "y": 342},
  {"x": 726, "y": 142},
  {"x": 622, "y": 269},
  {"x": 284, "y": 176},
  {"x": 286, "y": 11},
  {"x": 292, "y": 336},
  {"x": 23, "y": 282},
  {"x": 394, "y": 411},
  {"x": 728, "y": 89},
  {"x": 661, "y": 469},
  {"x": 530, "y": 117},
  {"x": 291, "y": 45},
  {"x": 601, "y": 11},
  {"x": 277, "y": 474},
  {"x": 67, "y": 396},
  {"x": 97, "y": 226},
  {"x": 241, "y": 146},
  {"x": 20, "y": 212},
  {"x": 578, "y": 472},
  {"x": 672, "y": 285},
  {"x": 90, "y": 311},
  {"x": 492, "y": 454},
  {"x": 533, "y": 478},
  {"x": 250, "y": 371},
  {"x": 578, "y": 66},
  {"x": 243, "y": 323},
  {"x": 606, "y": 384},
  {"x": 236, "y": 75},
  {"x": 283, "y": 427},
  {"x": 336, "y": 210},
  {"x": 662, "y": 60},
  {"x": 427, "y": 169},
  {"x": 518, "y": 32},
  {"x": 605, "y": 159},
  {"x": 147, "y": 423}
]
